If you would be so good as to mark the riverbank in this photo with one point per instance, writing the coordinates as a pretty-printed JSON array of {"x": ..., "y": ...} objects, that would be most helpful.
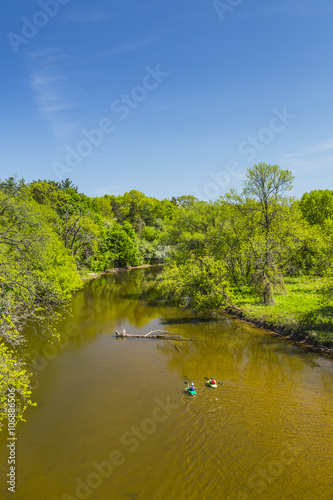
[
  {"x": 298, "y": 314},
  {"x": 283, "y": 391},
  {"x": 92, "y": 276}
]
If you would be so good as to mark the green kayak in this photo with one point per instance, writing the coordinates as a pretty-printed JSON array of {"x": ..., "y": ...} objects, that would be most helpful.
[
  {"x": 211, "y": 385},
  {"x": 191, "y": 392}
]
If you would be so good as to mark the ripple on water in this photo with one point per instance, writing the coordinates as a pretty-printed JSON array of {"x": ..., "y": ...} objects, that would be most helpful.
[{"x": 274, "y": 398}]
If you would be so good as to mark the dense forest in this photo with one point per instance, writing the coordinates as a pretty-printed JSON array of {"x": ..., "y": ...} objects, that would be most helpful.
[{"x": 260, "y": 252}]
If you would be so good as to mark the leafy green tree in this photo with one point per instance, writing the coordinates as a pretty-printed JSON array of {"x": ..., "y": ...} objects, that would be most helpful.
[
  {"x": 37, "y": 277},
  {"x": 141, "y": 210},
  {"x": 12, "y": 186},
  {"x": 198, "y": 284},
  {"x": 68, "y": 184},
  {"x": 105, "y": 207},
  {"x": 116, "y": 204},
  {"x": 184, "y": 201},
  {"x": 48, "y": 193},
  {"x": 128, "y": 228},
  {"x": 13, "y": 376},
  {"x": 190, "y": 231},
  {"x": 120, "y": 248},
  {"x": 313, "y": 256},
  {"x": 163, "y": 210},
  {"x": 78, "y": 231},
  {"x": 317, "y": 206},
  {"x": 151, "y": 234},
  {"x": 37, "y": 273},
  {"x": 271, "y": 223}
]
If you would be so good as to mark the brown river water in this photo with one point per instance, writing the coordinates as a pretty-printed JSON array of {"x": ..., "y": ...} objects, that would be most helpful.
[{"x": 113, "y": 422}]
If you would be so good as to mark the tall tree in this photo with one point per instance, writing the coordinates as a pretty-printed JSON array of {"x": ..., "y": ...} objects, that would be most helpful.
[
  {"x": 68, "y": 184},
  {"x": 269, "y": 221}
]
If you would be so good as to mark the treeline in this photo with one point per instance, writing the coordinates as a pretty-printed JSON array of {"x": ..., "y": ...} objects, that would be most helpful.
[
  {"x": 250, "y": 242},
  {"x": 51, "y": 235},
  {"x": 108, "y": 231},
  {"x": 246, "y": 243}
]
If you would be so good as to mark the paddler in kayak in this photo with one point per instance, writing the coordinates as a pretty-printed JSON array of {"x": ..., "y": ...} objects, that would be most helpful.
[
  {"x": 191, "y": 387},
  {"x": 212, "y": 381}
]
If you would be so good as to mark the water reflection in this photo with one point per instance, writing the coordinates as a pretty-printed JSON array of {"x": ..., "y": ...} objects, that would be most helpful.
[{"x": 223, "y": 444}]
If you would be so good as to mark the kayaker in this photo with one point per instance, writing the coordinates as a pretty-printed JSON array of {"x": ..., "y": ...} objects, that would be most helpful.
[
  {"x": 212, "y": 381},
  {"x": 191, "y": 387}
]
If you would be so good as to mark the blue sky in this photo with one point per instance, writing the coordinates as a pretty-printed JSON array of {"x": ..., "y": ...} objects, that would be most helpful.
[{"x": 167, "y": 97}]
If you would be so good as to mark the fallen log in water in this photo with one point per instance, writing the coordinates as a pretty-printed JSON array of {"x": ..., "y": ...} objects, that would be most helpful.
[{"x": 153, "y": 334}]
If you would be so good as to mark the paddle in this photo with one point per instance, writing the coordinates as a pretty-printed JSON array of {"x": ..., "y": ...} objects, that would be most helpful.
[
  {"x": 187, "y": 380},
  {"x": 188, "y": 384},
  {"x": 193, "y": 394},
  {"x": 220, "y": 383}
]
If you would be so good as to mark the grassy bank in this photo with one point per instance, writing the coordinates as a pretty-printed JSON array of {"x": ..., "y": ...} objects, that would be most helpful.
[{"x": 297, "y": 313}]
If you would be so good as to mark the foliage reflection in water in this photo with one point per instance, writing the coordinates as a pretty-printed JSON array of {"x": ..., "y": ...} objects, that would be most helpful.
[{"x": 113, "y": 420}]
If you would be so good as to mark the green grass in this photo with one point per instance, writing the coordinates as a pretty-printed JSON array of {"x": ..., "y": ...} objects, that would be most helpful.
[{"x": 299, "y": 309}]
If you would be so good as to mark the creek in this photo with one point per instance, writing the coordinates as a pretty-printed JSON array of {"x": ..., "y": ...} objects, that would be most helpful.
[{"x": 113, "y": 421}]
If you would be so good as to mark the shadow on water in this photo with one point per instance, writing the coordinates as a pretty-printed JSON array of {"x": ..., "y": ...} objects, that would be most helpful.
[
  {"x": 183, "y": 321},
  {"x": 98, "y": 390}
]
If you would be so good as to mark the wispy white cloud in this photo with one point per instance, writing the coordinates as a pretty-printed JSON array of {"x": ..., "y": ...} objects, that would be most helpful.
[
  {"x": 323, "y": 145},
  {"x": 48, "y": 55},
  {"x": 313, "y": 160},
  {"x": 318, "y": 147},
  {"x": 49, "y": 90},
  {"x": 52, "y": 88}
]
